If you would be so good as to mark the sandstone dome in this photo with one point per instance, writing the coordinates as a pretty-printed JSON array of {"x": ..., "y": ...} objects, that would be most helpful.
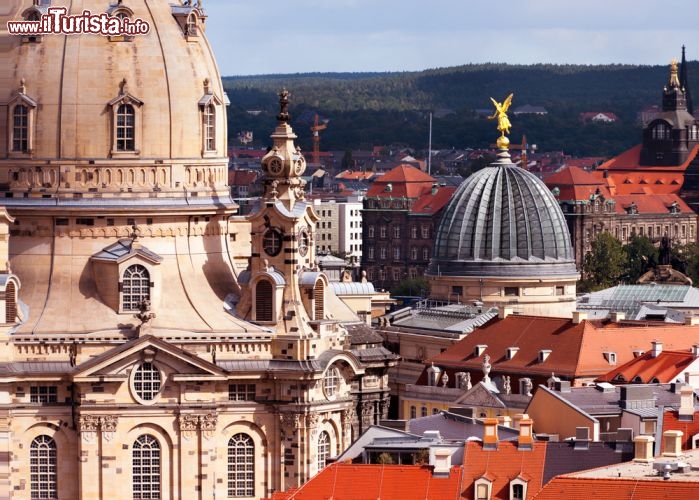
[{"x": 113, "y": 113}]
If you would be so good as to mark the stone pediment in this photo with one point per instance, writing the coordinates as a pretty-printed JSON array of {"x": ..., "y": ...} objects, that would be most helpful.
[
  {"x": 114, "y": 365},
  {"x": 480, "y": 396}
]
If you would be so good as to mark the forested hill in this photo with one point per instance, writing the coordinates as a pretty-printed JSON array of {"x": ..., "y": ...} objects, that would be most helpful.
[{"x": 367, "y": 109}]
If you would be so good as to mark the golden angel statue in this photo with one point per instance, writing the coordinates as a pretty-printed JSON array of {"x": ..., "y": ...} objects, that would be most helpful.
[{"x": 501, "y": 114}]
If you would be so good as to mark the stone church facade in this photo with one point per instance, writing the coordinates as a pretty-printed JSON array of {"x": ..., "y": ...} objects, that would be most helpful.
[{"x": 155, "y": 345}]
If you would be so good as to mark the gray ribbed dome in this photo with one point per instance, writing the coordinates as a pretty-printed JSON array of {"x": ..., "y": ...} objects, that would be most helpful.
[{"x": 503, "y": 221}]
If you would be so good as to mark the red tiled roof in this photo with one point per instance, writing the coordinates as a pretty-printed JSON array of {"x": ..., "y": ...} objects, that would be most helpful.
[
  {"x": 576, "y": 349},
  {"x": 357, "y": 175},
  {"x": 370, "y": 481},
  {"x": 577, "y": 488},
  {"x": 573, "y": 176},
  {"x": 502, "y": 466},
  {"x": 405, "y": 181},
  {"x": 651, "y": 204},
  {"x": 628, "y": 176},
  {"x": 665, "y": 367},
  {"x": 430, "y": 203}
]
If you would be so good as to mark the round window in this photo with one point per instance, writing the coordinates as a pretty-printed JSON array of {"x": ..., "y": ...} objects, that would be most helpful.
[
  {"x": 272, "y": 242},
  {"x": 331, "y": 382},
  {"x": 146, "y": 382}
]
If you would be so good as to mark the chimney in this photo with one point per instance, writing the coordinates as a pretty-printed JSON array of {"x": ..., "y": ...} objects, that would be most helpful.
[
  {"x": 617, "y": 316},
  {"x": 657, "y": 348},
  {"x": 579, "y": 317},
  {"x": 440, "y": 459},
  {"x": 525, "y": 440},
  {"x": 672, "y": 443},
  {"x": 505, "y": 420},
  {"x": 643, "y": 449},
  {"x": 695, "y": 350},
  {"x": 686, "y": 412},
  {"x": 582, "y": 438},
  {"x": 562, "y": 386},
  {"x": 490, "y": 433},
  {"x": 517, "y": 418},
  {"x": 504, "y": 312}
]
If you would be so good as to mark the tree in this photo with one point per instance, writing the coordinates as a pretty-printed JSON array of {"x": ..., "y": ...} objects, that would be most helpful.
[
  {"x": 604, "y": 265},
  {"x": 641, "y": 256},
  {"x": 685, "y": 258}
]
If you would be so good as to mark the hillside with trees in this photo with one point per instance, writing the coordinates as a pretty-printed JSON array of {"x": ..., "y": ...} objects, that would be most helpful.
[{"x": 367, "y": 109}]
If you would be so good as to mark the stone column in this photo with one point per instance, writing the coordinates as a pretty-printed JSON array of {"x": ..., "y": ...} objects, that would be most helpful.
[{"x": 89, "y": 456}]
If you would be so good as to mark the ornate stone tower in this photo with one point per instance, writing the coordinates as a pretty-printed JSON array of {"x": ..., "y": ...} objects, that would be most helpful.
[{"x": 671, "y": 135}]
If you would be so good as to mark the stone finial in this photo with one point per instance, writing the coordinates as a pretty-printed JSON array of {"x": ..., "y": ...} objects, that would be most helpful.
[
  {"x": 486, "y": 368},
  {"x": 207, "y": 86},
  {"x": 122, "y": 87},
  {"x": 22, "y": 86}
]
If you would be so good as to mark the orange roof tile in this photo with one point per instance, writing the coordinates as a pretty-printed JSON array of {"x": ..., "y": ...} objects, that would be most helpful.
[
  {"x": 573, "y": 176},
  {"x": 651, "y": 204},
  {"x": 430, "y": 203},
  {"x": 342, "y": 481},
  {"x": 665, "y": 367},
  {"x": 405, "y": 181},
  {"x": 575, "y": 488},
  {"x": 502, "y": 466},
  {"x": 576, "y": 349}
]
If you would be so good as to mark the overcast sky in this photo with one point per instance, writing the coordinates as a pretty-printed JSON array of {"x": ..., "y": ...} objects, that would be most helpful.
[{"x": 275, "y": 36}]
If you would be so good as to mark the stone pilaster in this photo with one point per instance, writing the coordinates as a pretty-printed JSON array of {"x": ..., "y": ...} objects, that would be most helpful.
[
  {"x": 89, "y": 458},
  {"x": 189, "y": 473},
  {"x": 5, "y": 456}
]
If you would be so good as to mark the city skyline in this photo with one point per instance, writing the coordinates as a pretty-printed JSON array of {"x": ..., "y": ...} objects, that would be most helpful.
[{"x": 359, "y": 36}]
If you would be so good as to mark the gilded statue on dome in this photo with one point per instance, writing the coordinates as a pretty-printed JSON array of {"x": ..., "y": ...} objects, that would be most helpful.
[{"x": 504, "y": 124}]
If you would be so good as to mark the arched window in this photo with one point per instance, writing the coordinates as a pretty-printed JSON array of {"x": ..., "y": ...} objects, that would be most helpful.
[
  {"x": 241, "y": 466},
  {"x": 20, "y": 128},
  {"x": 323, "y": 449},
  {"x": 146, "y": 468},
  {"x": 147, "y": 381},
  {"x": 10, "y": 302},
  {"x": 43, "y": 464},
  {"x": 209, "y": 127},
  {"x": 135, "y": 287},
  {"x": 125, "y": 128},
  {"x": 263, "y": 301},
  {"x": 190, "y": 28},
  {"x": 319, "y": 299}
]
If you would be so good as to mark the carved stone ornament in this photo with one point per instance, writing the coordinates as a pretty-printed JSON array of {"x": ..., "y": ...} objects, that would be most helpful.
[
  {"x": 207, "y": 423},
  {"x": 108, "y": 424},
  {"x": 188, "y": 425},
  {"x": 348, "y": 417},
  {"x": 88, "y": 426},
  {"x": 312, "y": 420}
]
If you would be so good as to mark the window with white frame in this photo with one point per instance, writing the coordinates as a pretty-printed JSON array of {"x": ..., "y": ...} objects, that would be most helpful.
[
  {"x": 145, "y": 473},
  {"x": 209, "y": 127},
  {"x": 396, "y": 253},
  {"x": 43, "y": 394},
  {"x": 413, "y": 232},
  {"x": 135, "y": 287},
  {"x": 147, "y": 381},
  {"x": 241, "y": 466},
  {"x": 125, "y": 128},
  {"x": 323, "y": 449},
  {"x": 20, "y": 128},
  {"x": 382, "y": 253},
  {"x": 43, "y": 468},
  {"x": 425, "y": 253},
  {"x": 661, "y": 131},
  {"x": 482, "y": 489},
  {"x": 241, "y": 392},
  {"x": 413, "y": 253},
  {"x": 331, "y": 382},
  {"x": 425, "y": 231},
  {"x": 396, "y": 231},
  {"x": 370, "y": 231}
]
